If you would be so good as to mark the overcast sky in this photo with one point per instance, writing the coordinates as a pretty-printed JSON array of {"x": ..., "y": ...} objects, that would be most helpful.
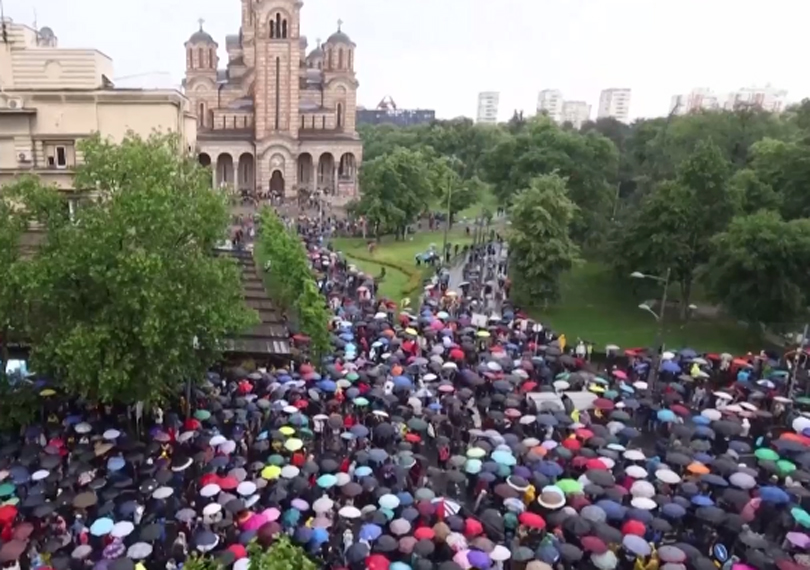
[{"x": 440, "y": 53}]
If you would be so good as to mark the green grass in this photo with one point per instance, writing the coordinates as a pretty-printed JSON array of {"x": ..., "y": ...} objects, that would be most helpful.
[
  {"x": 394, "y": 283},
  {"x": 401, "y": 252},
  {"x": 597, "y": 307}
]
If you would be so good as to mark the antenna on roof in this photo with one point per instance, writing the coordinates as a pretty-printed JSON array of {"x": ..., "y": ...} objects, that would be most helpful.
[{"x": 36, "y": 28}]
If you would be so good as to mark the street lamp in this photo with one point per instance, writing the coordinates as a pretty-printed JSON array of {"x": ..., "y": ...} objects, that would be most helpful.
[{"x": 659, "y": 318}]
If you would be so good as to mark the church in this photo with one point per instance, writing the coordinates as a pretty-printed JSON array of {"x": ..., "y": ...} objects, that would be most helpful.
[{"x": 276, "y": 118}]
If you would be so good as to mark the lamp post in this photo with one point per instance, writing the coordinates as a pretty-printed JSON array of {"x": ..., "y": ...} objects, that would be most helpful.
[
  {"x": 659, "y": 318},
  {"x": 447, "y": 221}
]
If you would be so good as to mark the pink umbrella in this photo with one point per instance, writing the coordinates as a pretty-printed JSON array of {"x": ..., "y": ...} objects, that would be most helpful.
[
  {"x": 750, "y": 509},
  {"x": 740, "y": 566},
  {"x": 272, "y": 514},
  {"x": 254, "y": 522}
]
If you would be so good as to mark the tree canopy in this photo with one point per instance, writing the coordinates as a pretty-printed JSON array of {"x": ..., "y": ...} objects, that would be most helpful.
[
  {"x": 127, "y": 301},
  {"x": 657, "y": 194}
]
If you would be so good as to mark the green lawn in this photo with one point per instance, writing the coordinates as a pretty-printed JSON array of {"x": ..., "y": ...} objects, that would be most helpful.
[
  {"x": 597, "y": 307},
  {"x": 394, "y": 283}
]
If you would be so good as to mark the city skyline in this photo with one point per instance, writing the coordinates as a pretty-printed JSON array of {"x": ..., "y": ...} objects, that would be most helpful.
[{"x": 458, "y": 53}]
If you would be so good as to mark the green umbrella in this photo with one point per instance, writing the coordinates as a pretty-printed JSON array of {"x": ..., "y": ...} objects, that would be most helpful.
[
  {"x": 569, "y": 486},
  {"x": 785, "y": 466},
  {"x": 360, "y": 402},
  {"x": 7, "y": 489},
  {"x": 801, "y": 516},
  {"x": 766, "y": 454},
  {"x": 417, "y": 424},
  {"x": 476, "y": 453},
  {"x": 276, "y": 459},
  {"x": 202, "y": 415},
  {"x": 803, "y": 400},
  {"x": 352, "y": 377}
]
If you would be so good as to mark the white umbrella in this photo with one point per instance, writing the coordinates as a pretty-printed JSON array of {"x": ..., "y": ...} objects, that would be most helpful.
[
  {"x": 210, "y": 490},
  {"x": 122, "y": 529},
  {"x": 40, "y": 475},
  {"x": 642, "y": 489},
  {"x": 246, "y": 488},
  {"x": 217, "y": 440},
  {"x": 643, "y": 503},
  {"x": 111, "y": 434},
  {"x": 163, "y": 493},
  {"x": 500, "y": 553},
  {"x": 634, "y": 455},
  {"x": 139, "y": 550},
  {"x": 712, "y": 414},
  {"x": 349, "y": 512},
  {"x": 323, "y": 505},
  {"x": 636, "y": 472},
  {"x": 667, "y": 476}
]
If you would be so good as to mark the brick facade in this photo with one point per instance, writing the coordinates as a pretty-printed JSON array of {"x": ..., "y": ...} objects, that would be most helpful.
[{"x": 276, "y": 111}]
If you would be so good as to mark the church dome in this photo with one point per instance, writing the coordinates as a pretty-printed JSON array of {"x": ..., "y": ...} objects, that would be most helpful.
[
  {"x": 339, "y": 37},
  {"x": 201, "y": 36},
  {"x": 316, "y": 53}
]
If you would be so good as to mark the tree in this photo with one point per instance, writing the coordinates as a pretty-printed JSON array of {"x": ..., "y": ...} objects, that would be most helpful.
[
  {"x": 785, "y": 167},
  {"x": 588, "y": 162},
  {"x": 129, "y": 301},
  {"x": 672, "y": 226},
  {"x": 752, "y": 193},
  {"x": 540, "y": 249},
  {"x": 292, "y": 282},
  {"x": 281, "y": 555},
  {"x": 396, "y": 188},
  {"x": 760, "y": 267}
]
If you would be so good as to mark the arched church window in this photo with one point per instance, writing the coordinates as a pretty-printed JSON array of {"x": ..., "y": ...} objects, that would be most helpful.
[
  {"x": 329, "y": 66},
  {"x": 339, "y": 115},
  {"x": 201, "y": 58},
  {"x": 340, "y": 58},
  {"x": 278, "y": 25},
  {"x": 212, "y": 58},
  {"x": 272, "y": 29},
  {"x": 284, "y": 29},
  {"x": 351, "y": 59},
  {"x": 201, "y": 115},
  {"x": 211, "y": 117},
  {"x": 189, "y": 58}
]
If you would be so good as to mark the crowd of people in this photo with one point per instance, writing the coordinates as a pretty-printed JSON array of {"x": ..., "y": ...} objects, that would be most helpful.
[{"x": 431, "y": 437}]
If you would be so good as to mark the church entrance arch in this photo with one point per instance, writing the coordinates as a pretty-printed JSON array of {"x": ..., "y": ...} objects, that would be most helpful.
[{"x": 277, "y": 183}]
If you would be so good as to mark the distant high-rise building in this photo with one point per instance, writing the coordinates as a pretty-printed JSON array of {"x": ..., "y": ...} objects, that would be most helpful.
[
  {"x": 550, "y": 102},
  {"x": 488, "y": 107},
  {"x": 766, "y": 98},
  {"x": 575, "y": 112},
  {"x": 699, "y": 99},
  {"x": 614, "y": 102}
]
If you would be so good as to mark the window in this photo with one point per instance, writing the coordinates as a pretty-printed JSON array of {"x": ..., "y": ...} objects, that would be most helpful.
[
  {"x": 213, "y": 58},
  {"x": 351, "y": 59},
  {"x": 272, "y": 30},
  {"x": 340, "y": 58},
  {"x": 284, "y": 29},
  {"x": 60, "y": 155},
  {"x": 302, "y": 122},
  {"x": 201, "y": 115},
  {"x": 201, "y": 57},
  {"x": 339, "y": 115},
  {"x": 323, "y": 122},
  {"x": 329, "y": 66},
  {"x": 189, "y": 58},
  {"x": 313, "y": 121}
]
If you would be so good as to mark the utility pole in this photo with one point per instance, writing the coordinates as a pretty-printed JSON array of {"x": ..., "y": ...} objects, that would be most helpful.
[
  {"x": 796, "y": 358},
  {"x": 447, "y": 221}
]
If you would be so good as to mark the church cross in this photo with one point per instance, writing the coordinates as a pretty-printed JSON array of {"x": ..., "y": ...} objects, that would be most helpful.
[
  {"x": 201, "y": 21},
  {"x": 340, "y": 23},
  {"x": 319, "y": 42}
]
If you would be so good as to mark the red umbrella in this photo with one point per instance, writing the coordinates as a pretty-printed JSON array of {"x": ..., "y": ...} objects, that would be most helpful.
[
  {"x": 680, "y": 410},
  {"x": 472, "y": 528},
  {"x": 7, "y": 514},
  {"x": 532, "y": 520},
  {"x": 583, "y": 433},
  {"x": 634, "y": 527},
  {"x": 424, "y": 533},
  {"x": 571, "y": 444},
  {"x": 593, "y": 544},
  {"x": 596, "y": 464},
  {"x": 603, "y": 404},
  {"x": 228, "y": 483},
  {"x": 377, "y": 562}
]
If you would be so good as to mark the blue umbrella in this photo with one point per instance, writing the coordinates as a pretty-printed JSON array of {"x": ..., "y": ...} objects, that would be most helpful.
[
  {"x": 549, "y": 469},
  {"x": 115, "y": 463},
  {"x": 687, "y": 353},
  {"x": 673, "y": 510},
  {"x": 359, "y": 430},
  {"x": 327, "y": 385},
  {"x": 504, "y": 458},
  {"x": 774, "y": 495},
  {"x": 363, "y": 471},
  {"x": 402, "y": 382},
  {"x": 671, "y": 367},
  {"x": 326, "y": 481},
  {"x": 713, "y": 479},
  {"x": 101, "y": 527},
  {"x": 704, "y": 431},
  {"x": 702, "y": 501},
  {"x": 370, "y": 532},
  {"x": 666, "y": 416},
  {"x": 613, "y": 510},
  {"x": 701, "y": 420}
]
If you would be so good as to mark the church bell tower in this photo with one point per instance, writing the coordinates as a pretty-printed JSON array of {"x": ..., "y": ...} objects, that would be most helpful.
[{"x": 276, "y": 34}]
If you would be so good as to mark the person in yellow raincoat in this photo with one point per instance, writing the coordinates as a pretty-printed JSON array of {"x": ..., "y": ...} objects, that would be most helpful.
[
  {"x": 529, "y": 495},
  {"x": 562, "y": 340}
]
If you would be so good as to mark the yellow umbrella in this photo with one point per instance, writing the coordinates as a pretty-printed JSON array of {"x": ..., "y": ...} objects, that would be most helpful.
[
  {"x": 596, "y": 388},
  {"x": 482, "y": 334},
  {"x": 48, "y": 392},
  {"x": 293, "y": 444},
  {"x": 271, "y": 472},
  {"x": 411, "y": 331},
  {"x": 287, "y": 430}
]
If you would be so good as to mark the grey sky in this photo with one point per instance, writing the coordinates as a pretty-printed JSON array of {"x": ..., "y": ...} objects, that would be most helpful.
[{"x": 439, "y": 53}]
